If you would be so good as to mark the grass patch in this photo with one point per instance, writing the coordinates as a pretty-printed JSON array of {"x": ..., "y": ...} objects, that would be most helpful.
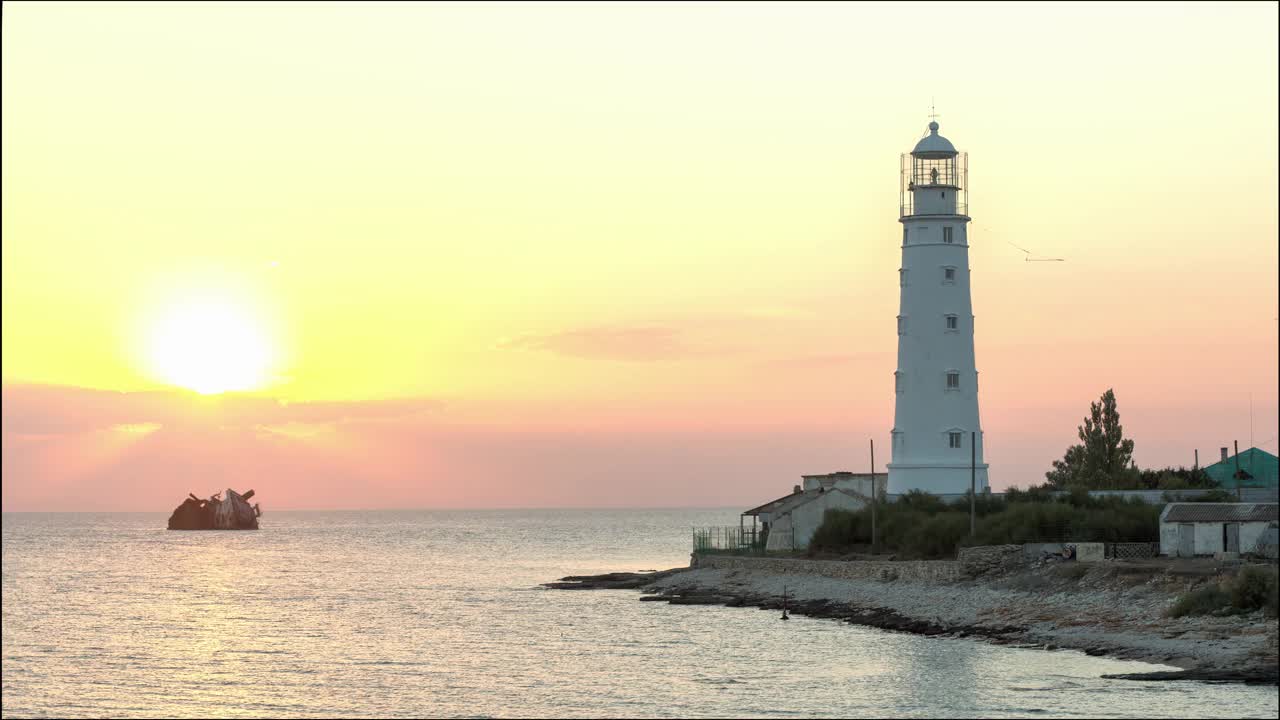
[
  {"x": 1204, "y": 601},
  {"x": 1254, "y": 588},
  {"x": 1026, "y": 582},
  {"x": 1071, "y": 571}
]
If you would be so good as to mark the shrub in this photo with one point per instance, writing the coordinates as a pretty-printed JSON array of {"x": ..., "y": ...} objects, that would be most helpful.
[
  {"x": 1035, "y": 493},
  {"x": 922, "y": 501},
  {"x": 1175, "y": 479},
  {"x": 1215, "y": 495},
  {"x": 921, "y": 525},
  {"x": 840, "y": 529},
  {"x": 1208, "y": 599},
  {"x": 1253, "y": 589}
]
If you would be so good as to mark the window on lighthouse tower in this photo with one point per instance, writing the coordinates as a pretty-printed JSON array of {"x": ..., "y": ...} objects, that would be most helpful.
[
  {"x": 954, "y": 438},
  {"x": 953, "y": 381}
]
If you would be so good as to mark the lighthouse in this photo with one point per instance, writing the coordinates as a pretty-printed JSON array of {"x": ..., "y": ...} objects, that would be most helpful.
[{"x": 935, "y": 419}]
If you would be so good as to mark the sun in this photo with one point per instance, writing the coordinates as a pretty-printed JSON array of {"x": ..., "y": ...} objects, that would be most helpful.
[{"x": 210, "y": 344}]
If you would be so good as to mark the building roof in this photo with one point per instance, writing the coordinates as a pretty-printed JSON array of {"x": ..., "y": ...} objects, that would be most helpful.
[
  {"x": 784, "y": 508},
  {"x": 790, "y": 502},
  {"x": 1262, "y": 465},
  {"x": 933, "y": 144},
  {"x": 774, "y": 504},
  {"x": 1221, "y": 512}
]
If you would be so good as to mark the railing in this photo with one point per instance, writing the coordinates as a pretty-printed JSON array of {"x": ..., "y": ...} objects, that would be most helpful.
[
  {"x": 728, "y": 540},
  {"x": 907, "y": 209}
]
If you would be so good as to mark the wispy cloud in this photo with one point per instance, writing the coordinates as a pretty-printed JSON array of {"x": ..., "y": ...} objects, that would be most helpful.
[
  {"x": 54, "y": 410},
  {"x": 634, "y": 343}
]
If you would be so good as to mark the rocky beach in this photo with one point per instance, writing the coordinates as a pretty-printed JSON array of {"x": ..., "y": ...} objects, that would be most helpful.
[{"x": 1114, "y": 609}]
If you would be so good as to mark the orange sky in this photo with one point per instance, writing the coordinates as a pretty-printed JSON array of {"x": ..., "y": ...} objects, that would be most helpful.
[{"x": 623, "y": 255}]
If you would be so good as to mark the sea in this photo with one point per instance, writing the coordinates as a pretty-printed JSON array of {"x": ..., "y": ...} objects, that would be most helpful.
[{"x": 387, "y": 614}]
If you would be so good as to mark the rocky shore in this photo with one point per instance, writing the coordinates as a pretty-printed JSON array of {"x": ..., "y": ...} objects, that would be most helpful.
[{"x": 1109, "y": 609}]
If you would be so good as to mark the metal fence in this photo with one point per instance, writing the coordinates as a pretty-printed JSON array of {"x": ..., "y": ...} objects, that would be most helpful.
[
  {"x": 727, "y": 540},
  {"x": 1132, "y": 551}
]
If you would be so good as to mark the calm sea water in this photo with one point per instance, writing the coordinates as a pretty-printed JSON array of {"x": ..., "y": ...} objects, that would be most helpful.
[{"x": 400, "y": 614}]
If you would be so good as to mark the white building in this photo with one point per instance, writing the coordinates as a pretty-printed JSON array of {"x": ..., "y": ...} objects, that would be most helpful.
[
  {"x": 791, "y": 520},
  {"x": 936, "y": 382},
  {"x": 860, "y": 483},
  {"x": 1191, "y": 529}
]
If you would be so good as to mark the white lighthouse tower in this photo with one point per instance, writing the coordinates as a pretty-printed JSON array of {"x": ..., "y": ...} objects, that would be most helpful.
[{"x": 936, "y": 383}]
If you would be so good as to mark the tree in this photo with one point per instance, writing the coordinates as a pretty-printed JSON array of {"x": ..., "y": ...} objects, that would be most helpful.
[
  {"x": 1179, "y": 478},
  {"x": 1104, "y": 459},
  {"x": 1068, "y": 469}
]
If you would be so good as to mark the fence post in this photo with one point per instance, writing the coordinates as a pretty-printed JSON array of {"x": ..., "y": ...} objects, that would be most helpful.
[{"x": 973, "y": 484}]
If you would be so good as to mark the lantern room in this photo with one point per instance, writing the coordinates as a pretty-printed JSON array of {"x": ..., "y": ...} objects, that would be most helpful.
[{"x": 934, "y": 178}]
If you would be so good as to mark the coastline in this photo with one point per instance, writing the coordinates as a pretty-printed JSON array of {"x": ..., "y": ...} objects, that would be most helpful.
[{"x": 1101, "y": 609}]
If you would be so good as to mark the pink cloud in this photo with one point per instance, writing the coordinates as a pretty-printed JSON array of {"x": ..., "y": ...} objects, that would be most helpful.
[{"x": 77, "y": 449}]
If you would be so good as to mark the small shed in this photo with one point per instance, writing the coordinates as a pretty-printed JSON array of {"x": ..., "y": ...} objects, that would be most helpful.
[{"x": 1190, "y": 529}]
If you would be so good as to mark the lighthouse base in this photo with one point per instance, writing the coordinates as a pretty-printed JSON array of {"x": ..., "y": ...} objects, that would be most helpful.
[{"x": 939, "y": 479}]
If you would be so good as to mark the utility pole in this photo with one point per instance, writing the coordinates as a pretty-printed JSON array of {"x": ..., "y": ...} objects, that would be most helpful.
[
  {"x": 873, "y": 496},
  {"x": 973, "y": 484}
]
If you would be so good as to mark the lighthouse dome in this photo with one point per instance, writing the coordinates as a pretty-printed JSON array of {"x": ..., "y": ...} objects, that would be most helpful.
[{"x": 933, "y": 144}]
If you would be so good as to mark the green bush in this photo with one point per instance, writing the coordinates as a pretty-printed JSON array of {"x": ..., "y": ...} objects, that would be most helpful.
[
  {"x": 1253, "y": 589},
  {"x": 839, "y": 530},
  {"x": 1179, "y": 478},
  {"x": 923, "y": 526},
  {"x": 1214, "y": 495},
  {"x": 922, "y": 501},
  {"x": 1208, "y": 599},
  {"x": 1035, "y": 493}
]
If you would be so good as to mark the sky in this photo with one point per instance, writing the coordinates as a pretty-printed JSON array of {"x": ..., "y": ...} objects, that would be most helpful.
[{"x": 362, "y": 255}]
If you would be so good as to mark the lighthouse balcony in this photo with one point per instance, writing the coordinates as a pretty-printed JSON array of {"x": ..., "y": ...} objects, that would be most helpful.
[{"x": 910, "y": 209}]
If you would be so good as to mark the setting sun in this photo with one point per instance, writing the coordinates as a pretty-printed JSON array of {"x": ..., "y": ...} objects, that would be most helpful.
[{"x": 210, "y": 345}]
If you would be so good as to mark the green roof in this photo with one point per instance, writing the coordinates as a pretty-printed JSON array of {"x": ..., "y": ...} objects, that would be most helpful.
[{"x": 1262, "y": 465}]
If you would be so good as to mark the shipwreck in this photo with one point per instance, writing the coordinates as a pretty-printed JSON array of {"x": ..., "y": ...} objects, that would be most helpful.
[{"x": 232, "y": 512}]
